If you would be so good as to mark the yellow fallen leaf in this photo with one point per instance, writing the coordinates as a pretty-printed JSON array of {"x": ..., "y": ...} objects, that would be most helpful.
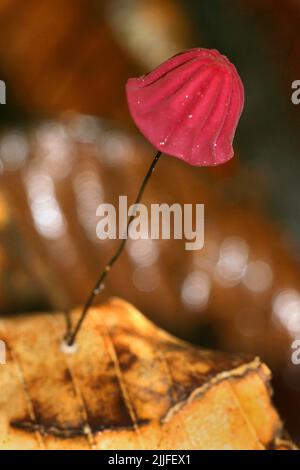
[{"x": 129, "y": 385}]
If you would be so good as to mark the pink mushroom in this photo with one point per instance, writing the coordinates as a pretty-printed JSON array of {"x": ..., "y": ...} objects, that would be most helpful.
[{"x": 189, "y": 106}]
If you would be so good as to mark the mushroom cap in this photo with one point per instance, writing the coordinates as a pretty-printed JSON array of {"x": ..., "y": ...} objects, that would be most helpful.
[{"x": 189, "y": 106}]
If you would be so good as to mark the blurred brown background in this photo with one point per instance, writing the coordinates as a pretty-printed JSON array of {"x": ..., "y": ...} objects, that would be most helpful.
[{"x": 67, "y": 144}]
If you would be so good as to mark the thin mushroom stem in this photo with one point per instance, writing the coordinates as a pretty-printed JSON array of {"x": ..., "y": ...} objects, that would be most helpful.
[{"x": 100, "y": 283}]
